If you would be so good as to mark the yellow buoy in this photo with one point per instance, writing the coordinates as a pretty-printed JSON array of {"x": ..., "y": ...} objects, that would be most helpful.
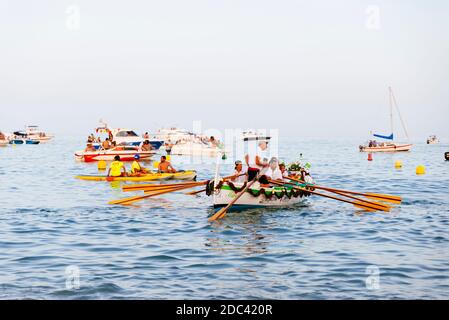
[
  {"x": 102, "y": 165},
  {"x": 168, "y": 157},
  {"x": 398, "y": 164},
  {"x": 420, "y": 170},
  {"x": 156, "y": 164}
]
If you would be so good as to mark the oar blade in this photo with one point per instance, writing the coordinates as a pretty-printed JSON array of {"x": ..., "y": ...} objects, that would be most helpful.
[{"x": 384, "y": 197}]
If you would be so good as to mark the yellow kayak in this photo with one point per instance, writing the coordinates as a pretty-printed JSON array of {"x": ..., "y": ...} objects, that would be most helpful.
[{"x": 183, "y": 175}]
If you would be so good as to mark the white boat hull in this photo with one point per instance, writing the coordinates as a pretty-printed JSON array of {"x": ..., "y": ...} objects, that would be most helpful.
[
  {"x": 195, "y": 149},
  {"x": 225, "y": 195},
  {"x": 387, "y": 148}
]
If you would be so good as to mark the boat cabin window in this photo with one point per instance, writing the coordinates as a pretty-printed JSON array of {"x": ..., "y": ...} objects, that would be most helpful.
[{"x": 123, "y": 134}]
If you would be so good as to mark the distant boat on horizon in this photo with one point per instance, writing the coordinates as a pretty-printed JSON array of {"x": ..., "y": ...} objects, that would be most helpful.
[
  {"x": 389, "y": 145},
  {"x": 433, "y": 140}
]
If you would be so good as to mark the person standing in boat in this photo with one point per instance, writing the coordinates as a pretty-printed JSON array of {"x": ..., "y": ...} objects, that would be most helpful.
[
  {"x": 117, "y": 168},
  {"x": 168, "y": 147},
  {"x": 257, "y": 161},
  {"x": 146, "y": 136},
  {"x": 240, "y": 176}
]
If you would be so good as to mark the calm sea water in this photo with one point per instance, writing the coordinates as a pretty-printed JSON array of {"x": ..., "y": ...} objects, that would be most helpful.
[{"x": 52, "y": 226}]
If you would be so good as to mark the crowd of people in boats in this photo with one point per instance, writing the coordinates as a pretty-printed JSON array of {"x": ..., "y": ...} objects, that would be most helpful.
[
  {"x": 257, "y": 167},
  {"x": 108, "y": 143}
]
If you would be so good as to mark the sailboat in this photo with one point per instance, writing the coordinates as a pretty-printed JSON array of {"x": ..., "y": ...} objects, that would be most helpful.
[{"x": 389, "y": 145}]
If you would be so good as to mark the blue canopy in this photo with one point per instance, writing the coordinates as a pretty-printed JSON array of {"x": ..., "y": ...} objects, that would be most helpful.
[{"x": 390, "y": 137}]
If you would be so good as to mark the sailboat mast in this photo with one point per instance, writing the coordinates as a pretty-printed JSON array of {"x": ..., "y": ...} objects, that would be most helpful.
[
  {"x": 400, "y": 116},
  {"x": 391, "y": 111}
]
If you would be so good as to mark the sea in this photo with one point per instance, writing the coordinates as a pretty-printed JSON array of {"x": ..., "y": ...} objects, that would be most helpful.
[{"x": 59, "y": 238}]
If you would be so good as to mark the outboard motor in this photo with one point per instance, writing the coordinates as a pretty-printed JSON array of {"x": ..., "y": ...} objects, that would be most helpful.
[{"x": 446, "y": 156}]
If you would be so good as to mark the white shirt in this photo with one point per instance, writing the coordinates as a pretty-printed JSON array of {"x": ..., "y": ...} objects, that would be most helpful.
[
  {"x": 241, "y": 179},
  {"x": 262, "y": 154},
  {"x": 274, "y": 175}
]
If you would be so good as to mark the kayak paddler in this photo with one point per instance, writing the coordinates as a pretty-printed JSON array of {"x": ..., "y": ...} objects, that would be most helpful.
[
  {"x": 136, "y": 168},
  {"x": 165, "y": 166},
  {"x": 117, "y": 168}
]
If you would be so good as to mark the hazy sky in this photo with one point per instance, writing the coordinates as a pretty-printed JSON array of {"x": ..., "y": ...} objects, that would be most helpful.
[{"x": 310, "y": 68}]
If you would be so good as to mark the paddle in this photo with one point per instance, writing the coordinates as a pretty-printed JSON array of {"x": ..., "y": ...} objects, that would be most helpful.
[
  {"x": 194, "y": 193},
  {"x": 130, "y": 200},
  {"x": 139, "y": 187},
  {"x": 174, "y": 188},
  {"x": 222, "y": 212},
  {"x": 383, "y": 197},
  {"x": 358, "y": 204}
]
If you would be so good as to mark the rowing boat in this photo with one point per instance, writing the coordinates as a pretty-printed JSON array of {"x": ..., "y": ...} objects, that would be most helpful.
[
  {"x": 184, "y": 175},
  {"x": 256, "y": 197}
]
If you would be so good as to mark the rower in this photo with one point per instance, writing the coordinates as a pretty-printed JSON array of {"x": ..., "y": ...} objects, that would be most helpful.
[
  {"x": 117, "y": 168},
  {"x": 240, "y": 176},
  {"x": 273, "y": 172},
  {"x": 257, "y": 163},
  {"x": 283, "y": 170},
  {"x": 136, "y": 168},
  {"x": 165, "y": 166}
]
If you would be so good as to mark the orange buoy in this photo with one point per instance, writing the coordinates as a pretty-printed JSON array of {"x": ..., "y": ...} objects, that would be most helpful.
[{"x": 370, "y": 157}]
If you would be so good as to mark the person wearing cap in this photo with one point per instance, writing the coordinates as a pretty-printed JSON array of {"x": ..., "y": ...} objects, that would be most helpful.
[
  {"x": 136, "y": 168},
  {"x": 240, "y": 176},
  {"x": 117, "y": 168}
]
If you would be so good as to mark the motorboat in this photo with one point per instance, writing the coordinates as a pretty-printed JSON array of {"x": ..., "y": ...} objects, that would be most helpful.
[
  {"x": 433, "y": 140},
  {"x": 126, "y": 153},
  {"x": 125, "y": 136},
  {"x": 34, "y": 133}
]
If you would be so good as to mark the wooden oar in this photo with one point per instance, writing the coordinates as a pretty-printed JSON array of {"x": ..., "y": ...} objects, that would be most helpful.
[
  {"x": 358, "y": 204},
  {"x": 194, "y": 193},
  {"x": 130, "y": 200},
  {"x": 177, "y": 187},
  {"x": 383, "y": 197},
  {"x": 138, "y": 187},
  {"x": 144, "y": 187},
  {"x": 357, "y": 199},
  {"x": 222, "y": 212}
]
